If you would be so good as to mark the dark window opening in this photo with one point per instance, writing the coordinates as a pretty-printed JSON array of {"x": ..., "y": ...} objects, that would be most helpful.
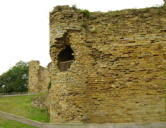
[{"x": 65, "y": 58}]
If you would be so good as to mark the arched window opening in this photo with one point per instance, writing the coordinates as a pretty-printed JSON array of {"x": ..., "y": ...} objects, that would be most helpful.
[{"x": 65, "y": 58}]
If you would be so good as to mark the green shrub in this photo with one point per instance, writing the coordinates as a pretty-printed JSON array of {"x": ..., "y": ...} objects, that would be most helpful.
[{"x": 86, "y": 13}]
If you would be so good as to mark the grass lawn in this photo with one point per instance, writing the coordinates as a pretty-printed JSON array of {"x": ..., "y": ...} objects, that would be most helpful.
[
  {"x": 21, "y": 105},
  {"x": 4, "y": 123}
]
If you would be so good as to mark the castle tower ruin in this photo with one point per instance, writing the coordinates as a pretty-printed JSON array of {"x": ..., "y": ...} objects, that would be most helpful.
[
  {"x": 107, "y": 67},
  {"x": 38, "y": 78}
]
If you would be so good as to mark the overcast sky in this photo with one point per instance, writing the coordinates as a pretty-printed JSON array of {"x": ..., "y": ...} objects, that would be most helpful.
[{"x": 24, "y": 26}]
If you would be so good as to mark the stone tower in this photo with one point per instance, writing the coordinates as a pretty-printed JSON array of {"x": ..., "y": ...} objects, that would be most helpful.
[
  {"x": 107, "y": 67},
  {"x": 38, "y": 78}
]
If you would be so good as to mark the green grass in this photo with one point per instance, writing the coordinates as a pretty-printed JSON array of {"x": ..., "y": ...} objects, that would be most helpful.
[
  {"x": 21, "y": 105},
  {"x": 4, "y": 123}
]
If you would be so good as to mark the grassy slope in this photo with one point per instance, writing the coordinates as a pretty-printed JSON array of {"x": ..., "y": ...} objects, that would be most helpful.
[
  {"x": 4, "y": 123},
  {"x": 21, "y": 105}
]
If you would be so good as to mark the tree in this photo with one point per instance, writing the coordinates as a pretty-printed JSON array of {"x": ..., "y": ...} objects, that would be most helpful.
[{"x": 15, "y": 79}]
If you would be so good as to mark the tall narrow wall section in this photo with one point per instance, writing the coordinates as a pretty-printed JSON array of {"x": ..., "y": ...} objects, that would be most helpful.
[
  {"x": 38, "y": 78},
  {"x": 113, "y": 65}
]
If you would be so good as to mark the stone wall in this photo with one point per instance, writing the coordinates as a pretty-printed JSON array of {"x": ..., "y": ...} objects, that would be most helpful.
[
  {"x": 117, "y": 70},
  {"x": 38, "y": 78}
]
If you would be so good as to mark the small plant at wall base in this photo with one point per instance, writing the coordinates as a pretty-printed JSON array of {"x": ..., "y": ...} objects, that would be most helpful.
[
  {"x": 86, "y": 13},
  {"x": 49, "y": 85}
]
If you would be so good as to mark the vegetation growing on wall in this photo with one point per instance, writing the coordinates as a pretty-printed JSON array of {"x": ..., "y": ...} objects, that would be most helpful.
[
  {"x": 86, "y": 13},
  {"x": 15, "y": 79},
  {"x": 49, "y": 85}
]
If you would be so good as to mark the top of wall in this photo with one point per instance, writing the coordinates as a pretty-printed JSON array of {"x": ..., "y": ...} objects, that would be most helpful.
[
  {"x": 60, "y": 13},
  {"x": 99, "y": 25},
  {"x": 36, "y": 63}
]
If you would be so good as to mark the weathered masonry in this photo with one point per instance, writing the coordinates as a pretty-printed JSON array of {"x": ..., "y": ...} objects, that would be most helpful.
[
  {"x": 38, "y": 78},
  {"x": 107, "y": 67}
]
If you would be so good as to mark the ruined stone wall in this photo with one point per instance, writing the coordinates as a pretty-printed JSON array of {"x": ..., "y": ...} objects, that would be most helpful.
[
  {"x": 38, "y": 77},
  {"x": 117, "y": 73}
]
